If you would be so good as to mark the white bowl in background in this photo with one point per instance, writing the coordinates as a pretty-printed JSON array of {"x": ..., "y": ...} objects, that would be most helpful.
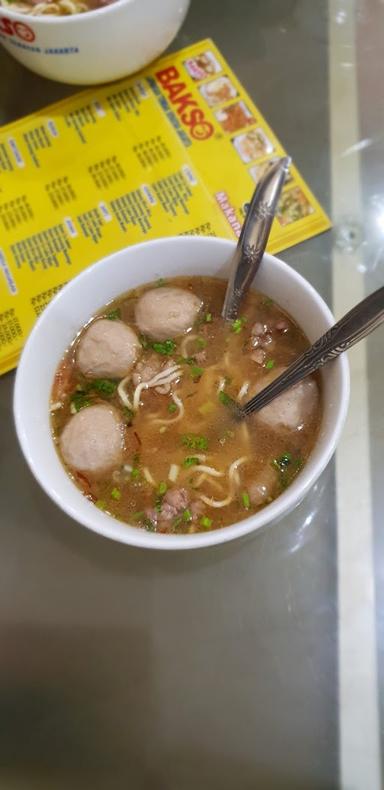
[
  {"x": 95, "y": 46},
  {"x": 104, "y": 281}
]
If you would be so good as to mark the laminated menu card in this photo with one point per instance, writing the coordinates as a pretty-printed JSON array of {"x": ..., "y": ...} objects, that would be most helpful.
[{"x": 175, "y": 149}]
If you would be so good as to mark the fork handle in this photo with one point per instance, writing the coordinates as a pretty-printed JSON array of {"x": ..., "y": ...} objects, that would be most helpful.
[{"x": 354, "y": 326}]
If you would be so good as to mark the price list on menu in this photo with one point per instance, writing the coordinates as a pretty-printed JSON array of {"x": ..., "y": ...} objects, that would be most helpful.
[{"x": 176, "y": 149}]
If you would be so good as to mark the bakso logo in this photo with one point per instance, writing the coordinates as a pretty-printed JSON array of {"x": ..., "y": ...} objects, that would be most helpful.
[
  {"x": 186, "y": 106},
  {"x": 18, "y": 29}
]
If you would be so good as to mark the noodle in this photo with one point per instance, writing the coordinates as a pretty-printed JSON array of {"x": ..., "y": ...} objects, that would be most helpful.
[
  {"x": 208, "y": 470},
  {"x": 164, "y": 377},
  {"x": 184, "y": 343},
  {"x": 173, "y": 472},
  {"x": 243, "y": 390},
  {"x": 58, "y": 405},
  {"x": 233, "y": 477},
  {"x": 122, "y": 393},
  {"x": 57, "y": 8},
  {"x": 211, "y": 480},
  {"x": 148, "y": 476}
]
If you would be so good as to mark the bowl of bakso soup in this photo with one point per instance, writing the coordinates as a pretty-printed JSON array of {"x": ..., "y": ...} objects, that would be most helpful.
[
  {"x": 88, "y": 41},
  {"x": 123, "y": 390}
]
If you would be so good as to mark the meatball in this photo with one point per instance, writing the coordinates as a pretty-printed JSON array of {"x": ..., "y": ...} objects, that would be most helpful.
[
  {"x": 263, "y": 488},
  {"x": 93, "y": 440},
  {"x": 166, "y": 312},
  {"x": 107, "y": 349},
  {"x": 294, "y": 408}
]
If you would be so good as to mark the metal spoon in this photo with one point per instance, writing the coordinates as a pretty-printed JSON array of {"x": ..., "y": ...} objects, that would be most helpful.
[
  {"x": 357, "y": 324},
  {"x": 254, "y": 236}
]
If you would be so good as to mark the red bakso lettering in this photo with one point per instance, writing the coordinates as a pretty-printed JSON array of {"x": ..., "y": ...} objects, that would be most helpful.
[
  {"x": 174, "y": 91},
  {"x": 24, "y": 31},
  {"x": 165, "y": 76},
  {"x": 201, "y": 131},
  {"x": 184, "y": 101},
  {"x": 192, "y": 117},
  {"x": 6, "y": 26}
]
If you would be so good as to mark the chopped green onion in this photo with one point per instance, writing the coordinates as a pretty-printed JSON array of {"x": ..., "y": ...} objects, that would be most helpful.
[
  {"x": 114, "y": 314},
  {"x": 187, "y": 515},
  {"x": 225, "y": 399},
  {"x": 135, "y": 473},
  {"x": 186, "y": 360},
  {"x": 172, "y": 408},
  {"x": 206, "y": 522},
  {"x": 149, "y": 525},
  {"x": 101, "y": 504},
  {"x": 138, "y": 515},
  {"x": 196, "y": 372},
  {"x": 166, "y": 348},
  {"x": 201, "y": 342},
  {"x": 270, "y": 364},
  {"x": 79, "y": 401},
  {"x": 246, "y": 500},
  {"x": 194, "y": 442},
  {"x": 116, "y": 494},
  {"x": 282, "y": 462},
  {"x": 191, "y": 460},
  {"x": 162, "y": 488},
  {"x": 104, "y": 386},
  {"x": 238, "y": 324},
  {"x": 267, "y": 302},
  {"x": 177, "y": 521},
  {"x": 208, "y": 318},
  {"x": 160, "y": 282},
  {"x": 206, "y": 408}
]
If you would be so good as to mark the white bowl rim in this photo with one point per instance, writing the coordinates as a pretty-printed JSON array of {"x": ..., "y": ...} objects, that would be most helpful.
[{"x": 139, "y": 537}]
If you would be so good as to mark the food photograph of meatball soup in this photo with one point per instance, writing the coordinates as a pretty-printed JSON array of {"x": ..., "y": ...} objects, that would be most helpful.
[
  {"x": 191, "y": 395},
  {"x": 140, "y": 407}
]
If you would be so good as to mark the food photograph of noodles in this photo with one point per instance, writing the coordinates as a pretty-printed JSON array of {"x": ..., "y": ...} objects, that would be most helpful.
[{"x": 141, "y": 416}]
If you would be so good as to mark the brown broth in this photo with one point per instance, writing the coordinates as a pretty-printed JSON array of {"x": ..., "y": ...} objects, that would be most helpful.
[{"x": 218, "y": 356}]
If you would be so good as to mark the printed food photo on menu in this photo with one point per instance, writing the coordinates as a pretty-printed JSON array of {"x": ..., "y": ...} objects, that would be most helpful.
[
  {"x": 234, "y": 117},
  {"x": 293, "y": 206},
  {"x": 252, "y": 145},
  {"x": 218, "y": 91},
  {"x": 257, "y": 172},
  {"x": 202, "y": 66}
]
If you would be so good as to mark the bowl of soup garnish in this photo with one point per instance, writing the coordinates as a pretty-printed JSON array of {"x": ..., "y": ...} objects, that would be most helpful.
[
  {"x": 123, "y": 389},
  {"x": 88, "y": 41}
]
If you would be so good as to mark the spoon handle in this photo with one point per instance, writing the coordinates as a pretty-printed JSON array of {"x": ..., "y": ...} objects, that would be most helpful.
[
  {"x": 254, "y": 236},
  {"x": 354, "y": 326}
]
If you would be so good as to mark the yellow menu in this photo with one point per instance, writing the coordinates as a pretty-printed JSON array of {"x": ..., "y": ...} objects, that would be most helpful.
[{"x": 175, "y": 149}]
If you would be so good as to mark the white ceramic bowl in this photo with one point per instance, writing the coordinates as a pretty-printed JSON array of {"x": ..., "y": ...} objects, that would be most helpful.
[
  {"x": 96, "y": 46},
  {"x": 96, "y": 286}
]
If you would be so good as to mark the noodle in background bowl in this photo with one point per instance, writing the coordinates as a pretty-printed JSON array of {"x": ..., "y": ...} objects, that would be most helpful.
[
  {"x": 95, "y": 46},
  {"x": 104, "y": 281}
]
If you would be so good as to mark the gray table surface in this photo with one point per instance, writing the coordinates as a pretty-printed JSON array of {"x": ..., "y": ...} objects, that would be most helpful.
[{"x": 251, "y": 665}]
